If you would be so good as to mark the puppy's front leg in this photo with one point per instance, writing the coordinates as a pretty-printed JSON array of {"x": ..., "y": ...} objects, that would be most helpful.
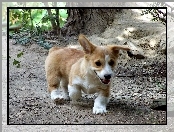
[
  {"x": 100, "y": 103},
  {"x": 74, "y": 92}
]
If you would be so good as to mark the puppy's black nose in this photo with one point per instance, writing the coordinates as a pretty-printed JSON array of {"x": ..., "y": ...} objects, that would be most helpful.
[{"x": 107, "y": 76}]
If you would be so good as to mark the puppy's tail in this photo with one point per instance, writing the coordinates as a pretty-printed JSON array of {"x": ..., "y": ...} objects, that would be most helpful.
[{"x": 53, "y": 49}]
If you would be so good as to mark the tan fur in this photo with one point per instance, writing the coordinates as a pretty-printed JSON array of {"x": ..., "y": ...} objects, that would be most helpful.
[
  {"x": 58, "y": 65},
  {"x": 67, "y": 65}
]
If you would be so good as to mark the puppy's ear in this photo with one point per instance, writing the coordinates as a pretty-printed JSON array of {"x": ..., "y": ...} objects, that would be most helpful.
[
  {"x": 115, "y": 48},
  {"x": 87, "y": 46}
]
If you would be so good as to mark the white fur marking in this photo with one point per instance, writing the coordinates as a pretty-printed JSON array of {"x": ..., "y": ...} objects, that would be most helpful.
[
  {"x": 55, "y": 94},
  {"x": 106, "y": 70},
  {"x": 107, "y": 67},
  {"x": 100, "y": 104},
  {"x": 88, "y": 84}
]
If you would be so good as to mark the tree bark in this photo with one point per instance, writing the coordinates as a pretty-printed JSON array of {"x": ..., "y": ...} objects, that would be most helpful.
[{"x": 88, "y": 21}]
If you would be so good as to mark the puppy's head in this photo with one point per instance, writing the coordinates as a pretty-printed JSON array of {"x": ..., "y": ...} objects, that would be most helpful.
[{"x": 101, "y": 59}]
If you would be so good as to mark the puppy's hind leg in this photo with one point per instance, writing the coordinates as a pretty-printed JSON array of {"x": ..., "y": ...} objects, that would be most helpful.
[
  {"x": 64, "y": 86},
  {"x": 53, "y": 87}
]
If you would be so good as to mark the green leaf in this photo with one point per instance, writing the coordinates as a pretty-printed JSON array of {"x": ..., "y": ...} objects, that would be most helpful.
[
  {"x": 61, "y": 22},
  {"x": 15, "y": 62},
  {"x": 45, "y": 19},
  {"x": 20, "y": 54},
  {"x": 16, "y": 11},
  {"x": 37, "y": 15},
  {"x": 63, "y": 13}
]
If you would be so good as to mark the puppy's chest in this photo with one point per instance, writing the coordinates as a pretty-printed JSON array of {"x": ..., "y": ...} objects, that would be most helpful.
[{"x": 88, "y": 84}]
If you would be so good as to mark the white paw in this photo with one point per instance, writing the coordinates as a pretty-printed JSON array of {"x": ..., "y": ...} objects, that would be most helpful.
[
  {"x": 57, "y": 95},
  {"x": 99, "y": 110}
]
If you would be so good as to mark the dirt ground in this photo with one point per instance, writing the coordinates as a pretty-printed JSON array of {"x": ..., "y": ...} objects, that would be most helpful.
[{"x": 131, "y": 96}]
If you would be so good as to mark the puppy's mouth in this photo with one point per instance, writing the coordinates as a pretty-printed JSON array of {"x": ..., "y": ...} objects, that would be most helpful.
[{"x": 104, "y": 81}]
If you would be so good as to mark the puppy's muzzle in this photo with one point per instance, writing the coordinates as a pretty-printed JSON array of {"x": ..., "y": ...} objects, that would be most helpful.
[{"x": 106, "y": 80}]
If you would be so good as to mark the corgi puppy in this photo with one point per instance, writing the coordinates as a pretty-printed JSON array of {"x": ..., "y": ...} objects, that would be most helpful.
[{"x": 76, "y": 71}]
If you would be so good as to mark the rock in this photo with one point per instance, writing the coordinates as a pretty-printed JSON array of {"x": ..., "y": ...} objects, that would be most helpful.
[
  {"x": 135, "y": 94},
  {"x": 135, "y": 51},
  {"x": 118, "y": 98},
  {"x": 159, "y": 104}
]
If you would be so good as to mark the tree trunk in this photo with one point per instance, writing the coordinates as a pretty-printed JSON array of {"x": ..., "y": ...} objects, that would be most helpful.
[
  {"x": 55, "y": 27},
  {"x": 88, "y": 21}
]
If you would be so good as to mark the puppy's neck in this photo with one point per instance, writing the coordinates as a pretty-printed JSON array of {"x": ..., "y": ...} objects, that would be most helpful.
[{"x": 84, "y": 67}]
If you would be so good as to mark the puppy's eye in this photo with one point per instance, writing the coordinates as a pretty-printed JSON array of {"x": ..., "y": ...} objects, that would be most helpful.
[
  {"x": 98, "y": 63},
  {"x": 111, "y": 62}
]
